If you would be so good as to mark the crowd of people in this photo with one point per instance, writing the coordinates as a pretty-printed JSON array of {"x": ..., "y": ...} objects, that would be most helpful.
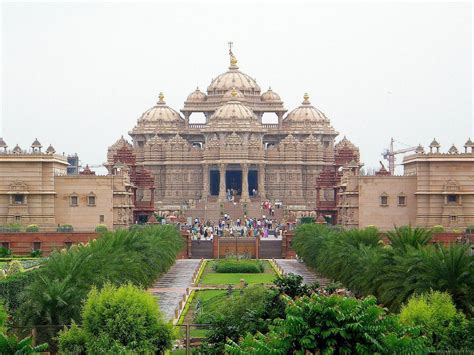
[{"x": 227, "y": 227}]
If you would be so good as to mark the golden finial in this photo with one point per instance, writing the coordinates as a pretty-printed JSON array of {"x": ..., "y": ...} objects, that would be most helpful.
[
  {"x": 233, "y": 59},
  {"x": 233, "y": 92},
  {"x": 161, "y": 97},
  {"x": 306, "y": 96}
]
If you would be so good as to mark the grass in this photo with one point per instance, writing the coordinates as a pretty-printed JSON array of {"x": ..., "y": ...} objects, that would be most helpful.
[{"x": 209, "y": 277}]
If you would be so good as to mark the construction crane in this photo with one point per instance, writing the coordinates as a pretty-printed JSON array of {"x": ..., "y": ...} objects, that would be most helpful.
[{"x": 390, "y": 153}]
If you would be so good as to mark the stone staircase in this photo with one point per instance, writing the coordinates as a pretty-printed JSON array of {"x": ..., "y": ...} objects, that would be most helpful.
[
  {"x": 212, "y": 210},
  {"x": 171, "y": 287}
]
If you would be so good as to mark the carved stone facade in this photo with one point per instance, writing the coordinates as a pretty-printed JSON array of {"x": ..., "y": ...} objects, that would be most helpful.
[{"x": 233, "y": 149}]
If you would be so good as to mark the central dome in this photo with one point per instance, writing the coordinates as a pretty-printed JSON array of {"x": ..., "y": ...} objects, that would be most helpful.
[{"x": 233, "y": 78}]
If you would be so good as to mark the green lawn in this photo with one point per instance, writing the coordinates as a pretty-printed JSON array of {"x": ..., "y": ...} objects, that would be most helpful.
[{"x": 209, "y": 277}]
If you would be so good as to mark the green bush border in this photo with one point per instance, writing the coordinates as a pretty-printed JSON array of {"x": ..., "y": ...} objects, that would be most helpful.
[{"x": 201, "y": 271}]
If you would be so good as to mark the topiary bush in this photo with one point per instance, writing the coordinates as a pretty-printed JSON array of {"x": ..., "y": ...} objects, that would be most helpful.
[
  {"x": 32, "y": 228},
  {"x": 101, "y": 228},
  {"x": 238, "y": 266},
  {"x": 437, "y": 229},
  {"x": 122, "y": 318},
  {"x": 11, "y": 288},
  {"x": 65, "y": 228}
]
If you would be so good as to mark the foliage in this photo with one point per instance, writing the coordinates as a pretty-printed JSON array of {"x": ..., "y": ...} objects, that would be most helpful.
[
  {"x": 392, "y": 273},
  {"x": 101, "y": 228},
  {"x": 11, "y": 345},
  {"x": 321, "y": 324},
  {"x": 11, "y": 227},
  {"x": 306, "y": 220},
  {"x": 65, "y": 279},
  {"x": 14, "y": 268},
  {"x": 11, "y": 288},
  {"x": 3, "y": 318},
  {"x": 32, "y": 228},
  {"x": 404, "y": 237},
  {"x": 238, "y": 266},
  {"x": 65, "y": 228},
  {"x": 36, "y": 253},
  {"x": 4, "y": 252},
  {"x": 123, "y": 318},
  {"x": 436, "y": 315},
  {"x": 234, "y": 315},
  {"x": 437, "y": 228},
  {"x": 293, "y": 285}
]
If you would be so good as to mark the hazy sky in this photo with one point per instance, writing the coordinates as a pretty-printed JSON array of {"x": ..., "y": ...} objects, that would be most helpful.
[{"x": 78, "y": 75}]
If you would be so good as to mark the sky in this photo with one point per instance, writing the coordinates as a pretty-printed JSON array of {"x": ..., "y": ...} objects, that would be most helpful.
[{"x": 79, "y": 74}]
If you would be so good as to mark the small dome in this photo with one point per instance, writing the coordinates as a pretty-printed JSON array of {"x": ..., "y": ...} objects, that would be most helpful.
[
  {"x": 36, "y": 144},
  {"x": 306, "y": 112},
  {"x": 17, "y": 149},
  {"x": 419, "y": 149},
  {"x": 2, "y": 143},
  {"x": 271, "y": 95},
  {"x": 453, "y": 150},
  {"x": 469, "y": 143},
  {"x": 161, "y": 111},
  {"x": 434, "y": 144},
  {"x": 196, "y": 96},
  {"x": 50, "y": 150}
]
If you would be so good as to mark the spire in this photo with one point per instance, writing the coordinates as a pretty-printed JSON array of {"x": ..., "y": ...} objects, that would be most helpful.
[
  {"x": 233, "y": 59},
  {"x": 161, "y": 100},
  {"x": 306, "y": 99}
]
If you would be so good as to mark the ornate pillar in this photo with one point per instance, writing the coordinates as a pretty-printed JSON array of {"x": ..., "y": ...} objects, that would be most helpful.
[
  {"x": 261, "y": 180},
  {"x": 222, "y": 191},
  {"x": 205, "y": 181},
  {"x": 245, "y": 182}
]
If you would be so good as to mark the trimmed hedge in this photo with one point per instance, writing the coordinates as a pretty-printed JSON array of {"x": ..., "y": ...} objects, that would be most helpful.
[{"x": 239, "y": 266}]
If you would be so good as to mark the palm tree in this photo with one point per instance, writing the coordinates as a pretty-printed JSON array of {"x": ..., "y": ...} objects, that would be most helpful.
[{"x": 402, "y": 237}]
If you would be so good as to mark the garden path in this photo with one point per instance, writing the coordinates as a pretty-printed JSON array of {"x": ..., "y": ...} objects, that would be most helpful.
[
  {"x": 298, "y": 268},
  {"x": 171, "y": 287}
]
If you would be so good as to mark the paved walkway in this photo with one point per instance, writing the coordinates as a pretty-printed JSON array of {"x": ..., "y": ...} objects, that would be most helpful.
[
  {"x": 171, "y": 287},
  {"x": 295, "y": 267}
]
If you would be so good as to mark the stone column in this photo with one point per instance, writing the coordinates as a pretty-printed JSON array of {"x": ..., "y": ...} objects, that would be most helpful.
[
  {"x": 245, "y": 183},
  {"x": 205, "y": 181},
  {"x": 261, "y": 181},
  {"x": 222, "y": 192}
]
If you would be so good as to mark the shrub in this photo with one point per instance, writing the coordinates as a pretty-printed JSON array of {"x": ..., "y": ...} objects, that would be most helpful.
[
  {"x": 238, "y": 266},
  {"x": 320, "y": 324},
  {"x": 101, "y": 228},
  {"x": 437, "y": 228},
  {"x": 123, "y": 318},
  {"x": 293, "y": 286},
  {"x": 306, "y": 220},
  {"x": 32, "y": 228},
  {"x": 4, "y": 252},
  {"x": 11, "y": 288},
  {"x": 14, "y": 267},
  {"x": 36, "y": 253},
  {"x": 65, "y": 228},
  {"x": 67, "y": 276},
  {"x": 436, "y": 315},
  {"x": 11, "y": 345}
]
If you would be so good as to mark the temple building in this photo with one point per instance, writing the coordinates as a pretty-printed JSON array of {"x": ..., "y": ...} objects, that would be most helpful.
[
  {"x": 36, "y": 190},
  {"x": 436, "y": 189},
  {"x": 180, "y": 165}
]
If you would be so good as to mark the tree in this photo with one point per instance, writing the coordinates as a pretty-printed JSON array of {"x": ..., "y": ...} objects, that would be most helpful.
[{"x": 125, "y": 318}]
